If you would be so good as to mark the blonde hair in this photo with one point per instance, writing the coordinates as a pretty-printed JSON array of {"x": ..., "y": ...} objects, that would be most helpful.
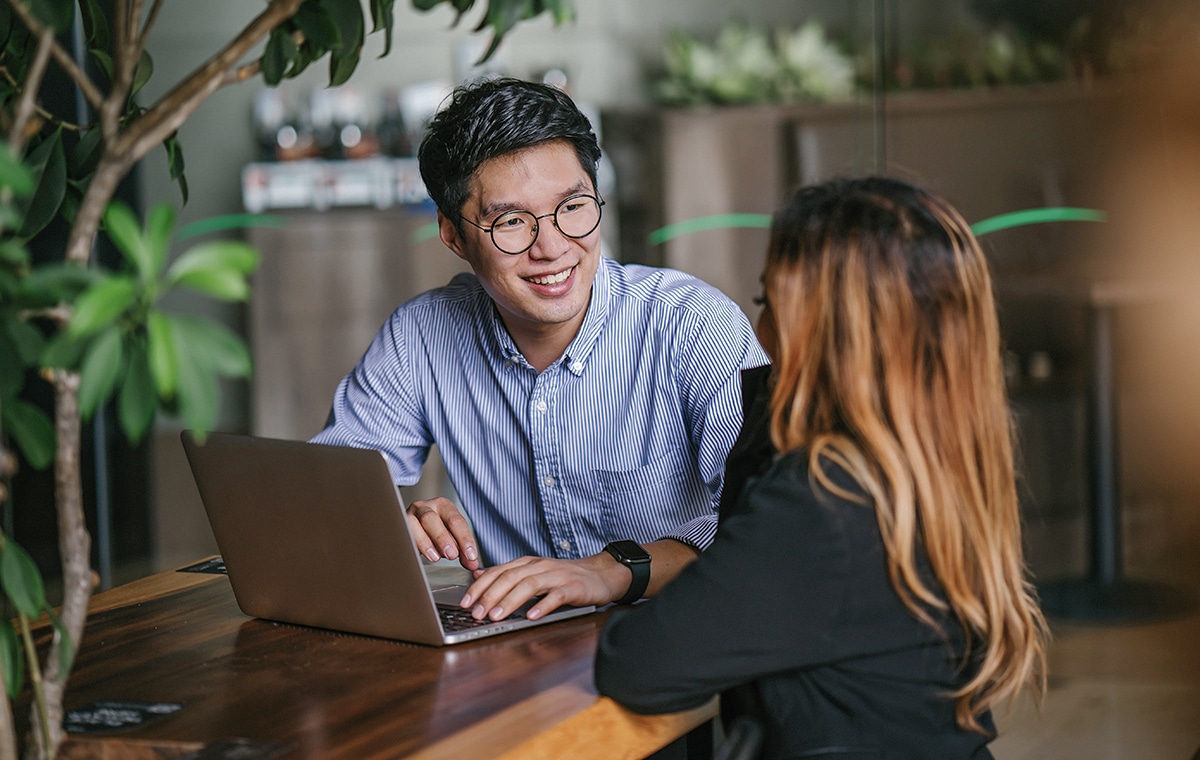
[{"x": 881, "y": 324}]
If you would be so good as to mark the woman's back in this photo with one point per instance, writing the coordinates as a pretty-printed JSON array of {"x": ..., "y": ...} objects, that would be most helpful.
[{"x": 870, "y": 502}]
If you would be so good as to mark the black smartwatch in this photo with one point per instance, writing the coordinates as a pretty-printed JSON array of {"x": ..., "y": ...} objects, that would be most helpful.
[{"x": 637, "y": 559}]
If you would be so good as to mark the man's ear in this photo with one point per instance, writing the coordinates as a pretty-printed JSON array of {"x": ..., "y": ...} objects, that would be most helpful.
[{"x": 450, "y": 236}]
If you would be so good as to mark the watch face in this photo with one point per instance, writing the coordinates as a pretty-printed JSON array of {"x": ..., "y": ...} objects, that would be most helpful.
[{"x": 628, "y": 551}]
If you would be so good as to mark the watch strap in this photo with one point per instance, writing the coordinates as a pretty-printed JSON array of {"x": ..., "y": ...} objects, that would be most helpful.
[{"x": 639, "y": 566}]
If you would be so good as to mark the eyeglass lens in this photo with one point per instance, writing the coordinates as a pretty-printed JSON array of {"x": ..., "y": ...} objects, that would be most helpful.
[{"x": 516, "y": 231}]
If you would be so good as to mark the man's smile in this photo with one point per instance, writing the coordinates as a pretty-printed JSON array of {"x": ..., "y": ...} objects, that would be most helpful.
[{"x": 551, "y": 279}]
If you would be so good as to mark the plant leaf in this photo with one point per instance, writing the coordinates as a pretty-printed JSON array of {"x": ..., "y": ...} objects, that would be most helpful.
[
  {"x": 66, "y": 648},
  {"x": 86, "y": 154},
  {"x": 95, "y": 25},
  {"x": 104, "y": 61},
  {"x": 175, "y": 164},
  {"x": 100, "y": 305},
  {"x": 217, "y": 268},
  {"x": 142, "y": 72},
  {"x": 63, "y": 351},
  {"x": 63, "y": 644},
  {"x": 13, "y": 659},
  {"x": 319, "y": 29},
  {"x": 197, "y": 399},
  {"x": 53, "y": 284},
  {"x": 137, "y": 401},
  {"x": 12, "y": 373},
  {"x": 49, "y": 163},
  {"x": 32, "y": 431},
  {"x": 160, "y": 224},
  {"x": 21, "y": 579},
  {"x": 210, "y": 348},
  {"x": 13, "y": 173},
  {"x": 27, "y": 340},
  {"x": 123, "y": 228},
  {"x": 343, "y": 58},
  {"x": 160, "y": 354},
  {"x": 383, "y": 19},
  {"x": 10, "y": 218},
  {"x": 100, "y": 370},
  {"x": 57, "y": 14},
  {"x": 275, "y": 56}
]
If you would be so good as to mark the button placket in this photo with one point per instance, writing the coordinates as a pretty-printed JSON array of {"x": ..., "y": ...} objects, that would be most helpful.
[{"x": 545, "y": 462}]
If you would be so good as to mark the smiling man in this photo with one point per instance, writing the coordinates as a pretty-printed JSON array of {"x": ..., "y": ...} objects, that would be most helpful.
[{"x": 583, "y": 408}]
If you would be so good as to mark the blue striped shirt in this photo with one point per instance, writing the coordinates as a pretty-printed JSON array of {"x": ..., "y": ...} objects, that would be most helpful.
[{"x": 624, "y": 437}]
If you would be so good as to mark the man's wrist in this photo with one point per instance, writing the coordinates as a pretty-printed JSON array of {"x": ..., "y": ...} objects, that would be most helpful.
[{"x": 637, "y": 560}]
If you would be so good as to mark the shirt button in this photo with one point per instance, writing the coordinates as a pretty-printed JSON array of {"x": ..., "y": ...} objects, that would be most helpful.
[
  {"x": 548, "y": 480},
  {"x": 576, "y": 367},
  {"x": 541, "y": 406},
  {"x": 565, "y": 545}
]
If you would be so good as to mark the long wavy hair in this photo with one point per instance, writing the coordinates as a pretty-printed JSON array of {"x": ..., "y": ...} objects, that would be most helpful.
[{"x": 881, "y": 324}]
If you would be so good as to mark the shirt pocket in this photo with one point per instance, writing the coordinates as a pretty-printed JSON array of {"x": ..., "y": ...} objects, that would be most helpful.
[{"x": 645, "y": 503}]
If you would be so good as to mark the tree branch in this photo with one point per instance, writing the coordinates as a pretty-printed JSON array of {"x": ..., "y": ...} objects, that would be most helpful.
[
  {"x": 114, "y": 103},
  {"x": 74, "y": 544},
  {"x": 129, "y": 41},
  {"x": 61, "y": 57},
  {"x": 174, "y": 108},
  {"x": 109, "y": 172},
  {"x": 25, "y": 106},
  {"x": 42, "y": 112},
  {"x": 242, "y": 73},
  {"x": 144, "y": 37}
]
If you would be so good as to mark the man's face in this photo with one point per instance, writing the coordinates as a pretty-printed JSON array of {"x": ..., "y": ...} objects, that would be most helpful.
[{"x": 543, "y": 293}]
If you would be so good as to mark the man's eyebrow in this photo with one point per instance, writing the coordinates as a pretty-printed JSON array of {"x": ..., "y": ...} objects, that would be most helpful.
[{"x": 500, "y": 207}]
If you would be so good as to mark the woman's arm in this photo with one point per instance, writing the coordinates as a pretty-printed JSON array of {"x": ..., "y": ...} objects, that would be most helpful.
[{"x": 763, "y": 598}]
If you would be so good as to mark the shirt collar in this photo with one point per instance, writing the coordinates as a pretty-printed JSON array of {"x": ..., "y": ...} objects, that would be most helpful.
[
  {"x": 599, "y": 305},
  {"x": 575, "y": 358}
]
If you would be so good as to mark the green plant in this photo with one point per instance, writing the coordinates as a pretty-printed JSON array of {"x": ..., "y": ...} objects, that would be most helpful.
[
  {"x": 745, "y": 65},
  {"x": 91, "y": 332}
]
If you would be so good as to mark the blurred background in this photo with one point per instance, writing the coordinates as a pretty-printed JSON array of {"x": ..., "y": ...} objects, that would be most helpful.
[{"x": 709, "y": 111}]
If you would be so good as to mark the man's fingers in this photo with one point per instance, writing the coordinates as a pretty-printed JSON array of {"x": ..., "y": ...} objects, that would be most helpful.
[
  {"x": 430, "y": 523},
  {"x": 422, "y": 540},
  {"x": 460, "y": 529}
]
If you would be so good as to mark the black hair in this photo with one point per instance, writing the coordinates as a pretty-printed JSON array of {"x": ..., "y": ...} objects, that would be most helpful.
[{"x": 496, "y": 117}]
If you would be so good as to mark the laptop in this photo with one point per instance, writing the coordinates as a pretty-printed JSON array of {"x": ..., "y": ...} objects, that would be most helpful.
[{"x": 316, "y": 535}]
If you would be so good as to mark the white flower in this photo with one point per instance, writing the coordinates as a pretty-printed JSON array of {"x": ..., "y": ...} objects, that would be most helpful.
[{"x": 816, "y": 68}]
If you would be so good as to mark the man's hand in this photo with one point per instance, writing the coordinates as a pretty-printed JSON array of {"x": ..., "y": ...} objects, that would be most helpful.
[
  {"x": 498, "y": 591},
  {"x": 440, "y": 530}
]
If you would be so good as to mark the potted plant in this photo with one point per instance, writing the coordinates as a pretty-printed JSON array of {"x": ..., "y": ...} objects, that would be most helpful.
[{"x": 95, "y": 333}]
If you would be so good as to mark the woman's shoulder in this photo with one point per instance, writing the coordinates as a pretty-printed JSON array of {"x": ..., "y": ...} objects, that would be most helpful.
[{"x": 796, "y": 488}]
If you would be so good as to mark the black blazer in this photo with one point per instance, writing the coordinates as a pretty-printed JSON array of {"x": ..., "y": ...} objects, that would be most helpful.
[{"x": 790, "y": 616}]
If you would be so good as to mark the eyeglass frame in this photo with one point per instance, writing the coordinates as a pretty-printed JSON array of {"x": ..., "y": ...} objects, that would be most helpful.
[{"x": 537, "y": 227}]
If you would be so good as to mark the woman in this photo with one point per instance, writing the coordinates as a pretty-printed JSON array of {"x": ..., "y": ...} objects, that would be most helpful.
[{"x": 866, "y": 593}]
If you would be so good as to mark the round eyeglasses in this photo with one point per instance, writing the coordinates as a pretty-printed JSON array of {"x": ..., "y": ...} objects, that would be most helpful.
[{"x": 515, "y": 232}]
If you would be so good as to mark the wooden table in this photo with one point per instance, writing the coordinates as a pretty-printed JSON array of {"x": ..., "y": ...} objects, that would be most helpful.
[{"x": 294, "y": 692}]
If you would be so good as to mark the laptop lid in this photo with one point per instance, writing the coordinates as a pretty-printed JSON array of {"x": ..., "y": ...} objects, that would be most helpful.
[{"x": 316, "y": 535}]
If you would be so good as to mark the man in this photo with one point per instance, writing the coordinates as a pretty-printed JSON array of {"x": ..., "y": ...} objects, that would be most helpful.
[{"x": 583, "y": 409}]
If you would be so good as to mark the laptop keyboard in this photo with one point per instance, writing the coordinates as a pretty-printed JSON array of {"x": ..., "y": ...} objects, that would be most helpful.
[{"x": 458, "y": 619}]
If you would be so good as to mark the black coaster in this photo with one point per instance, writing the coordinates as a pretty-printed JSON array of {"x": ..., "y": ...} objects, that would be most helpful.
[
  {"x": 105, "y": 717},
  {"x": 214, "y": 566}
]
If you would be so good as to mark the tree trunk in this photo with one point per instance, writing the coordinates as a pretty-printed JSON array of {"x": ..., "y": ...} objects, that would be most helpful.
[{"x": 74, "y": 544}]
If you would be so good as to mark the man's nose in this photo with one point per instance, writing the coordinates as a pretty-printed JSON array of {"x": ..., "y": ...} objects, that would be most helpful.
[{"x": 550, "y": 243}]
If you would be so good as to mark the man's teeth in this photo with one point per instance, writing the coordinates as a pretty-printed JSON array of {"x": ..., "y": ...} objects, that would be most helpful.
[{"x": 552, "y": 279}]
